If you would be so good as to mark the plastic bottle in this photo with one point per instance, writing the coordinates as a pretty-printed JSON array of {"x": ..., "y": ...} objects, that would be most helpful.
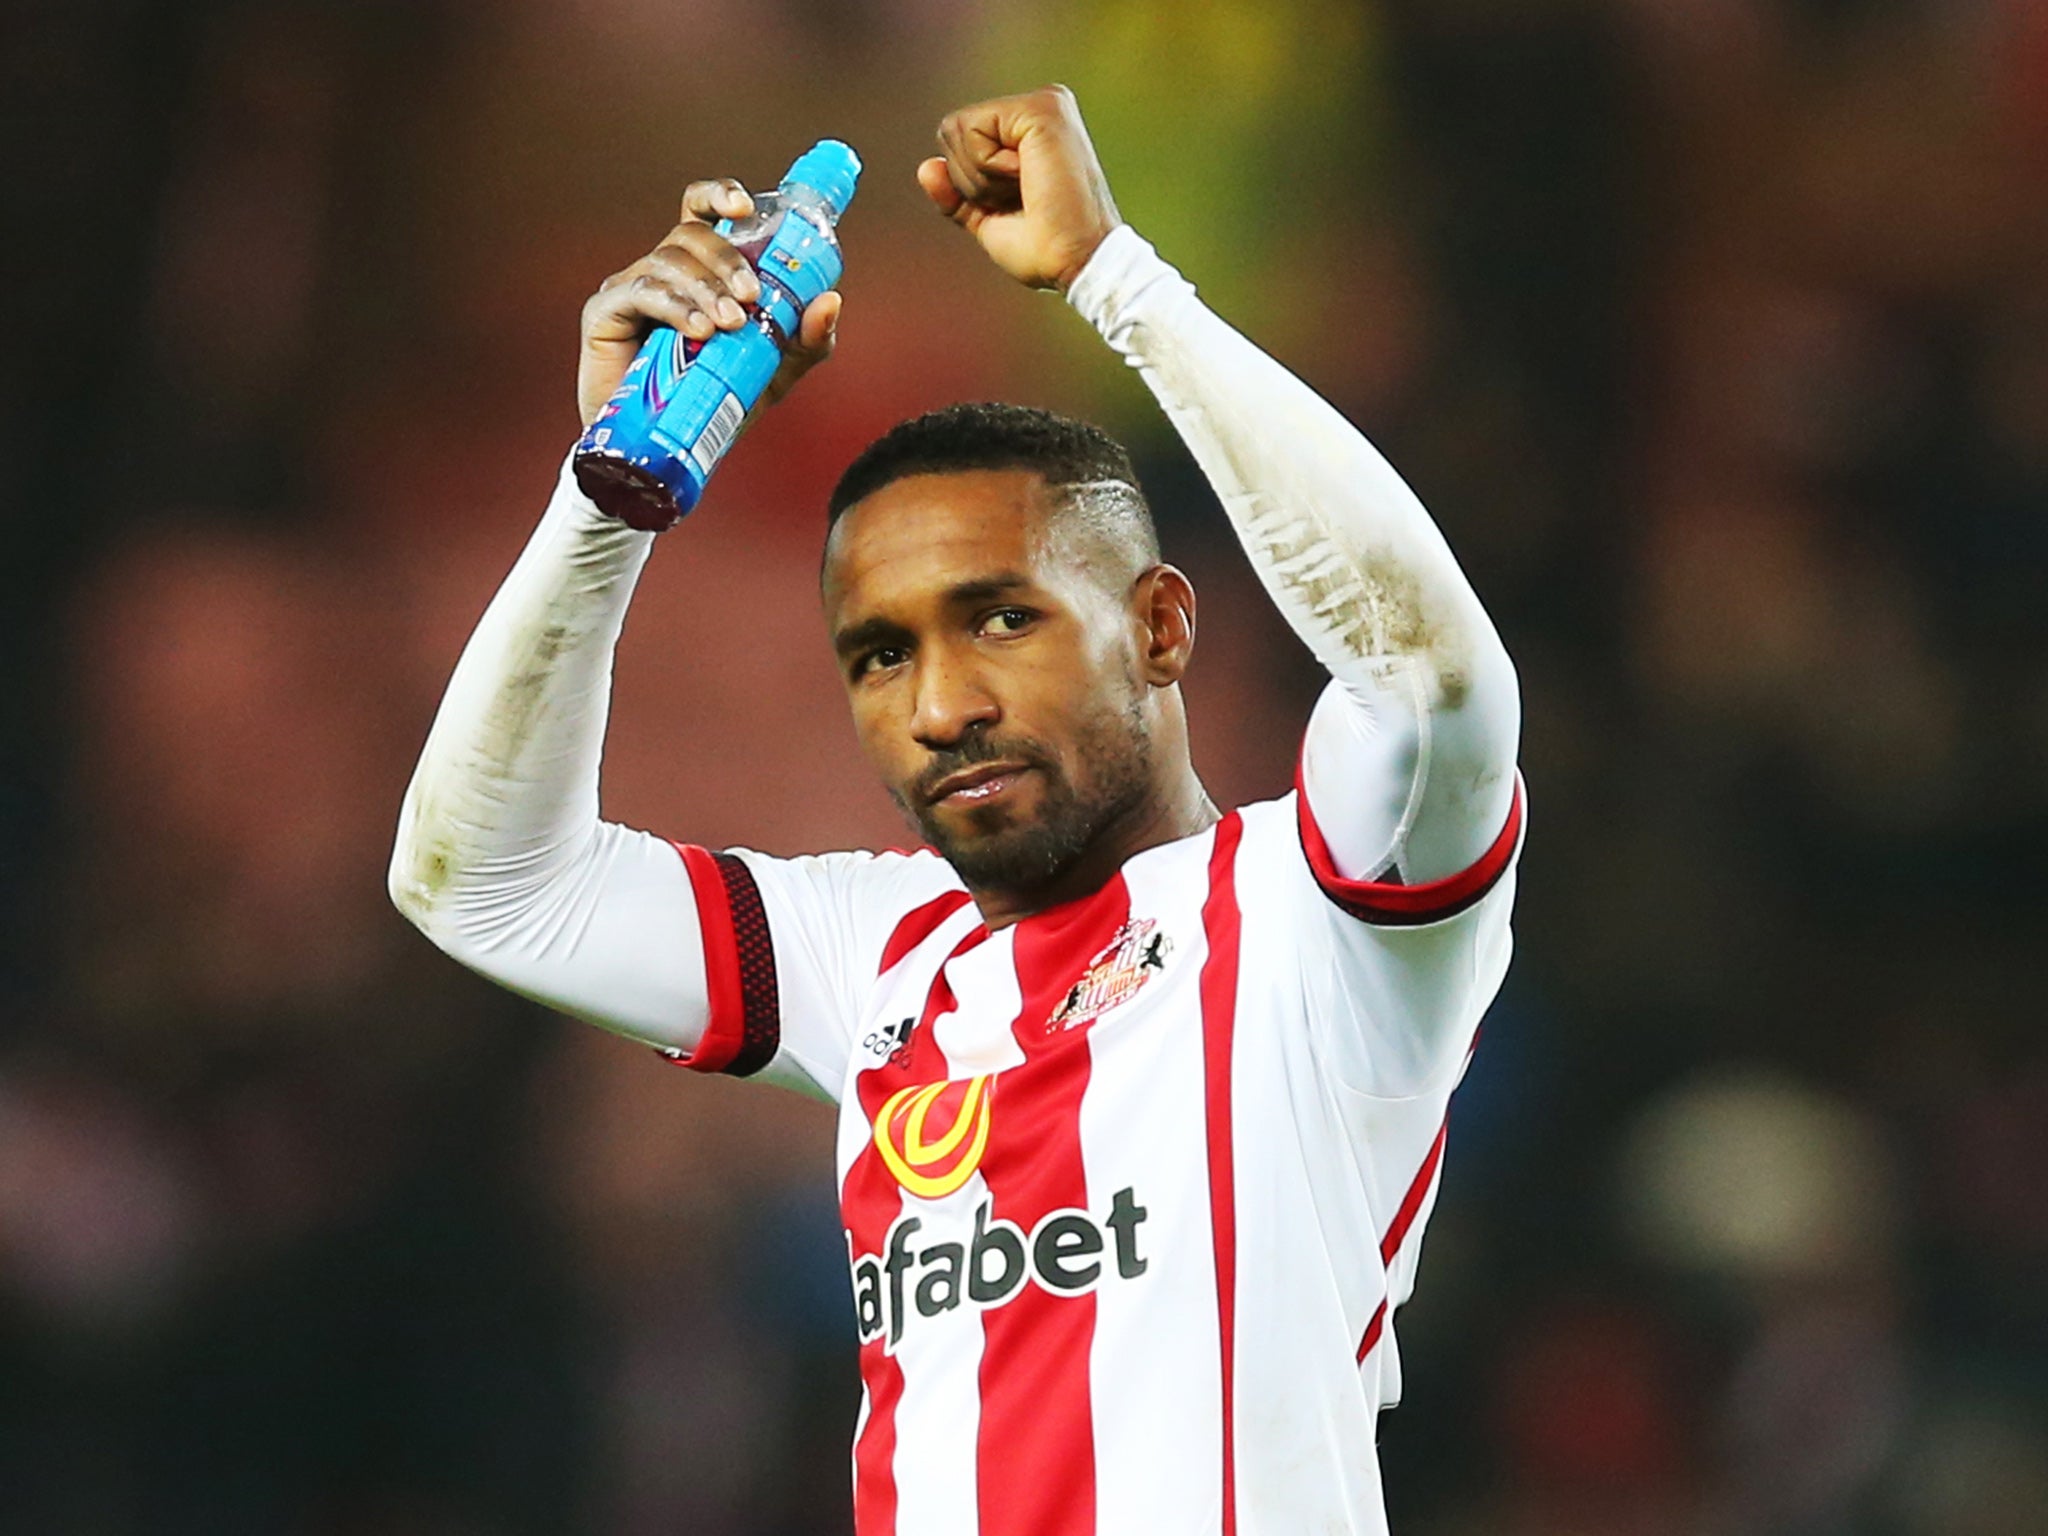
[{"x": 645, "y": 459}]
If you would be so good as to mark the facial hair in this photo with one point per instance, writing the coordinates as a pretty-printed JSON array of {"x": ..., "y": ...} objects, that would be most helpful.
[{"x": 1115, "y": 768}]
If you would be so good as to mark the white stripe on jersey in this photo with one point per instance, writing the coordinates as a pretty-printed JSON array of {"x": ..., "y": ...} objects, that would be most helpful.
[
  {"x": 1153, "y": 1405},
  {"x": 939, "y": 1417}
]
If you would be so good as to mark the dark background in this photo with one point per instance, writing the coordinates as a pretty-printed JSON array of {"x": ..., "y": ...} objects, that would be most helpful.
[{"x": 1715, "y": 332}]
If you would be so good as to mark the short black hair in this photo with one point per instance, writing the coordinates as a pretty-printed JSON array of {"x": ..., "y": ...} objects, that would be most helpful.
[{"x": 987, "y": 434}]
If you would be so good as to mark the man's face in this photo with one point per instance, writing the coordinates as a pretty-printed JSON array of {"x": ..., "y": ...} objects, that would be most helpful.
[{"x": 994, "y": 677}]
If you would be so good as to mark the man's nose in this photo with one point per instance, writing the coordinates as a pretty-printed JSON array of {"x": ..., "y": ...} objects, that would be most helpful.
[{"x": 952, "y": 698}]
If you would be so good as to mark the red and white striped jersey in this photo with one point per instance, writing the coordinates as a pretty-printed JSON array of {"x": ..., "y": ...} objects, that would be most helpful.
[{"x": 1131, "y": 1188}]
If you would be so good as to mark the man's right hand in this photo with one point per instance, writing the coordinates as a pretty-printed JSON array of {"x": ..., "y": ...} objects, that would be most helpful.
[{"x": 695, "y": 282}]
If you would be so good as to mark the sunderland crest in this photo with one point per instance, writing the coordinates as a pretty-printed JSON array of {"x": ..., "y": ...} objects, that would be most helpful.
[{"x": 1123, "y": 965}]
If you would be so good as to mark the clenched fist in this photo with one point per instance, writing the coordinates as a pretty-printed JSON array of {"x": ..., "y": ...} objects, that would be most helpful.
[{"x": 1020, "y": 175}]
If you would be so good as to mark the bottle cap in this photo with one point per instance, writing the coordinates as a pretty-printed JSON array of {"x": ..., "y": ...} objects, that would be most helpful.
[{"x": 832, "y": 168}]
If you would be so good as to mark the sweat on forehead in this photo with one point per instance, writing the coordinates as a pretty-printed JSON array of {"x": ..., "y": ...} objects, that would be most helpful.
[{"x": 1107, "y": 524}]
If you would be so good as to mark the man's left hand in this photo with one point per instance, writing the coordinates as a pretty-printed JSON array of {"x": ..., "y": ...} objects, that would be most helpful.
[{"x": 1020, "y": 175}]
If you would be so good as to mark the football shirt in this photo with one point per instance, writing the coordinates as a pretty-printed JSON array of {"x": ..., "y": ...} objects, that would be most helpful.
[{"x": 1127, "y": 1205}]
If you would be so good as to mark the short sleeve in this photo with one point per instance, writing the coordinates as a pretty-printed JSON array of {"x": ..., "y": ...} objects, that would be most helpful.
[
  {"x": 791, "y": 950},
  {"x": 1403, "y": 974}
]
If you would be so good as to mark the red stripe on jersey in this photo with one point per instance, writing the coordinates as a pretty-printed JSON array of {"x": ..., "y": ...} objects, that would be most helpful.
[
  {"x": 1390, "y": 903},
  {"x": 874, "y": 1454},
  {"x": 869, "y": 1201},
  {"x": 1397, "y": 1229},
  {"x": 1404, "y": 1218},
  {"x": 1035, "y": 1461},
  {"x": 744, "y": 1029},
  {"x": 919, "y": 924},
  {"x": 1372, "y": 1330},
  {"x": 1220, "y": 925}
]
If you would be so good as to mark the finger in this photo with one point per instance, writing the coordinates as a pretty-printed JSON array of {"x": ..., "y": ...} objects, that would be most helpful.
[
  {"x": 731, "y": 271},
  {"x": 682, "y": 271},
  {"x": 938, "y": 186},
  {"x": 986, "y": 137},
  {"x": 722, "y": 198},
  {"x": 658, "y": 300},
  {"x": 971, "y": 139},
  {"x": 626, "y": 309},
  {"x": 957, "y": 142},
  {"x": 818, "y": 332}
]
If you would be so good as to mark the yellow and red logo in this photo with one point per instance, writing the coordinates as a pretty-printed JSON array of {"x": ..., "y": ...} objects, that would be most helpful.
[{"x": 934, "y": 1165}]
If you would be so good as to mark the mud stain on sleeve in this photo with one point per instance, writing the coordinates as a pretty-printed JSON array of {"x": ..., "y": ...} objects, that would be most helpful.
[
  {"x": 1369, "y": 602},
  {"x": 425, "y": 863},
  {"x": 453, "y": 792}
]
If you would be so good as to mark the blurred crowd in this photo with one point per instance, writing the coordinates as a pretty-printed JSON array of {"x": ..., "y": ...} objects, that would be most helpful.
[{"x": 1715, "y": 333}]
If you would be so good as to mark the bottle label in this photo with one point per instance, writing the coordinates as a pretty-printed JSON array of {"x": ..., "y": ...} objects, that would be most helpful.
[
  {"x": 676, "y": 359},
  {"x": 718, "y": 433}
]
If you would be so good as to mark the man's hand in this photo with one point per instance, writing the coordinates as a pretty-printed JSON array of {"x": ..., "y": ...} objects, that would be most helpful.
[
  {"x": 1020, "y": 175},
  {"x": 695, "y": 282}
]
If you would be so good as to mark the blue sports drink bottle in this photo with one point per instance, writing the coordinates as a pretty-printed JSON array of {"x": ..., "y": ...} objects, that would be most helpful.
[{"x": 645, "y": 459}]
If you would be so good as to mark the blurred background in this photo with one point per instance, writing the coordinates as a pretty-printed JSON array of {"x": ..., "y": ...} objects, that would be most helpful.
[{"x": 1715, "y": 332}]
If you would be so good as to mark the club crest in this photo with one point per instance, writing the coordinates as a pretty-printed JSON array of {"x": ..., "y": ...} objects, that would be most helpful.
[{"x": 1124, "y": 964}]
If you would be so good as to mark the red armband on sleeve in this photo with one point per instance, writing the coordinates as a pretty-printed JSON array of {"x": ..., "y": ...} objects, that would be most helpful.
[
  {"x": 1391, "y": 904},
  {"x": 745, "y": 1028}
]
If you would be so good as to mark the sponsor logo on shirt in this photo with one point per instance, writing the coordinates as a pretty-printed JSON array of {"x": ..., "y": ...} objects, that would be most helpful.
[
  {"x": 931, "y": 1136},
  {"x": 1123, "y": 965},
  {"x": 891, "y": 1042},
  {"x": 1068, "y": 1253}
]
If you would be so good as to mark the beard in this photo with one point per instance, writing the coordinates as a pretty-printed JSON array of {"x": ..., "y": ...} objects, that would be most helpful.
[{"x": 997, "y": 853}]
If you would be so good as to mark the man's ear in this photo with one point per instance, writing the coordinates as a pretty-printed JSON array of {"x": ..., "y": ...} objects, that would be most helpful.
[{"x": 1163, "y": 602}]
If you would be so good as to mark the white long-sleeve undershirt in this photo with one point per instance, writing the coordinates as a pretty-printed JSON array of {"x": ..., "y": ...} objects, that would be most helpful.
[
  {"x": 1409, "y": 758},
  {"x": 502, "y": 859}
]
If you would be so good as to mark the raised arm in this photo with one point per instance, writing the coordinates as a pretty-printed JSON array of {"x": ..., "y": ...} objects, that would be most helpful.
[
  {"x": 501, "y": 858},
  {"x": 1408, "y": 766},
  {"x": 1410, "y": 809}
]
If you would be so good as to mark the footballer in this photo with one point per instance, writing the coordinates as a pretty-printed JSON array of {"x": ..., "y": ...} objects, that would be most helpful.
[{"x": 1141, "y": 1100}]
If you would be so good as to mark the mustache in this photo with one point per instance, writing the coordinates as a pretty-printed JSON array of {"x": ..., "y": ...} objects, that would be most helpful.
[{"x": 973, "y": 750}]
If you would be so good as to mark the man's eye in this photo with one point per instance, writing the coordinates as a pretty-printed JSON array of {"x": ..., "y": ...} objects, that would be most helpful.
[
  {"x": 880, "y": 660},
  {"x": 1007, "y": 621}
]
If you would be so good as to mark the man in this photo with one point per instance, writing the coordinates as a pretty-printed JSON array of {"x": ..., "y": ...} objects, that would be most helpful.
[{"x": 1141, "y": 1106}]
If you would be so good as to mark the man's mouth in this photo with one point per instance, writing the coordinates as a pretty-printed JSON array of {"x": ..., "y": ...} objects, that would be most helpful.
[{"x": 977, "y": 785}]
